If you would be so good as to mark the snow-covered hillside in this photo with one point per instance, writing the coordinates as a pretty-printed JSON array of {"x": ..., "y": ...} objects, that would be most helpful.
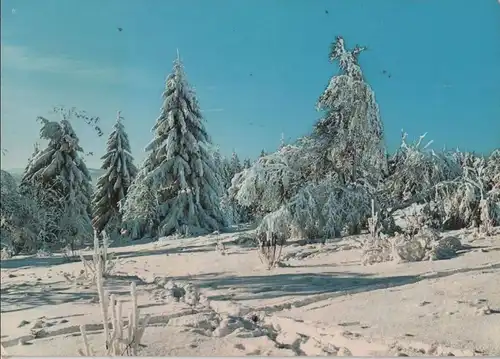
[{"x": 320, "y": 301}]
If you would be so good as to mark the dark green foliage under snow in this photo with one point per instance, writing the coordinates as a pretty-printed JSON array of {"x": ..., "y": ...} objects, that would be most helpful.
[
  {"x": 178, "y": 174},
  {"x": 113, "y": 185},
  {"x": 57, "y": 180}
]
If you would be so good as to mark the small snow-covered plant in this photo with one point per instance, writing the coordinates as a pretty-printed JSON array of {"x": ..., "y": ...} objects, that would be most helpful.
[
  {"x": 373, "y": 223},
  {"x": 102, "y": 263},
  {"x": 124, "y": 338},
  {"x": 44, "y": 253},
  {"x": 378, "y": 250},
  {"x": 487, "y": 221},
  {"x": 5, "y": 253},
  {"x": 412, "y": 246},
  {"x": 271, "y": 236},
  {"x": 3, "y": 352},
  {"x": 219, "y": 246}
]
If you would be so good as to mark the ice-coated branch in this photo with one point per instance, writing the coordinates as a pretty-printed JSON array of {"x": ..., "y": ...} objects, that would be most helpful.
[{"x": 123, "y": 339}]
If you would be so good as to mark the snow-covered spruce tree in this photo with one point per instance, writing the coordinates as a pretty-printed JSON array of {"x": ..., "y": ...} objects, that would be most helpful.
[
  {"x": 234, "y": 212},
  {"x": 113, "y": 185},
  {"x": 235, "y": 164},
  {"x": 179, "y": 170},
  {"x": 226, "y": 172},
  {"x": 58, "y": 180},
  {"x": 349, "y": 138},
  {"x": 223, "y": 166},
  {"x": 247, "y": 163}
]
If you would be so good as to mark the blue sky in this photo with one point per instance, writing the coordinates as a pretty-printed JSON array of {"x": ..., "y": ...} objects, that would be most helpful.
[{"x": 258, "y": 67}]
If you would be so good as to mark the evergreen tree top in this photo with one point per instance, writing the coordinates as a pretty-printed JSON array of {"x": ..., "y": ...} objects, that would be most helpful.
[
  {"x": 118, "y": 140},
  {"x": 348, "y": 60},
  {"x": 180, "y": 123},
  {"x": 59, "y": 134}
]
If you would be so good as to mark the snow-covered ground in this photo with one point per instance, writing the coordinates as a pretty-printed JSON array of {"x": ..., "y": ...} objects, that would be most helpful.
[{"x": 322, "y": 301}]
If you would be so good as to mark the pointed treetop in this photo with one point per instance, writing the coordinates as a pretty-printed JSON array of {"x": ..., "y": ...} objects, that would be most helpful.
[
  {"x": 348, "y": 60},
  {"x": 119, "y": 117},
  {"x": 282, "y": 140}
]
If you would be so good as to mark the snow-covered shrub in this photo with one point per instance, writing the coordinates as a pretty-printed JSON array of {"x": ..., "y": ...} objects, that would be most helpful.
[
  {"x": 25, "y": 223},
  {"x": 124, "y": 340},
  {"x": 424, "y": 245},
  {"x": 178, "y": 173},
  {"x": 414, "y": 171},
  {"x": 328, "y": 209},
  {"x": 272, "y": 234},
  {"x": 270, "y": 182},
  {"x": 6, "y": 252},
  {"x": 445, "y": 248},
  {"x": 178, "y": 291},
  {"x": 492, "y": 171},
  {"x": 470, "y": 200},
  {"x": 113, "y": 185},
  {"x": 44, "y": 253}
]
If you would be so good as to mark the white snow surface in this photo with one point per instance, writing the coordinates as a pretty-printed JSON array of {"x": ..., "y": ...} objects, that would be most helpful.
[{"x": 321, "y": 302}]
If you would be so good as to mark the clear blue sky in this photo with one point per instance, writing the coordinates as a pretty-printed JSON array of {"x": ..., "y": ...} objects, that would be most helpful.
[{"x": 258, "y": 66}]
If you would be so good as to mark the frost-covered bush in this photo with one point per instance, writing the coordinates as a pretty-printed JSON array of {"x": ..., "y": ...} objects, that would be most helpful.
[
  {"x": 492, "y": 171},
  {"x": 425, "y": 245},
  {"x": 328, "y": 209},
  {"x": 272, "y": 234},
  {"x": 24, "y": 221},
  {"x": 271, "y": 181},
  {"x": 472, "y": 199},
  {"x": 414, "y": 171}
]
